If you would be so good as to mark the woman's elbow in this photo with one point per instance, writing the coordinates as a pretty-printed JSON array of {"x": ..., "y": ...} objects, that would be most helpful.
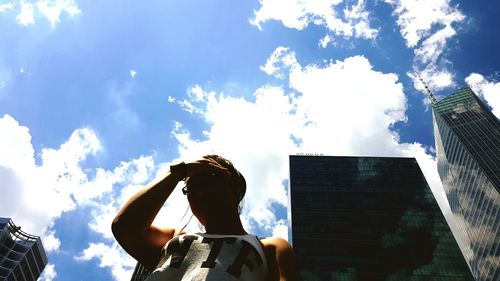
[{"x": 117, "y": 228}]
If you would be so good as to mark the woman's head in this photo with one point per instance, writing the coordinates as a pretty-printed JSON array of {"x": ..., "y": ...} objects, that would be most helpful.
[
  {"x": 236, "y": 178},
  {"x": 215, "y": 194}
]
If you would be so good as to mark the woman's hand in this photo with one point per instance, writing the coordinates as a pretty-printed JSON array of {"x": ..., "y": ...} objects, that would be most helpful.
[{"x": 205, "y": 165}]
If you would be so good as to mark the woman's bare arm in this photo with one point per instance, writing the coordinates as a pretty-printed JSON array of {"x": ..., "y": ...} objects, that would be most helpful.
[{"x": 132, "y": 225}]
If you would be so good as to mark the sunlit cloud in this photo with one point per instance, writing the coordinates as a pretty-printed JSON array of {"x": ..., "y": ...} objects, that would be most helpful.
[
  {"x": 59, "y": 178},
  {"x": 6, "y": 6},
  {"x": 28, "y": 12},
  {"x": 416, "y": 18},
  {"x": 133, "y": 73},
  {"x": 280, "y": 59},
  {"x": 52, "y": 10},
  {"x": 35, "y": 195},
  {"x": 25, "y": 16},
  {"x": 427, "y": 27},
  {"x": 489, "y": 90},
  {"x": 337, "y": 16},
  {"x": 49, "y": 273},
  {"x": 112, "y": 257}
]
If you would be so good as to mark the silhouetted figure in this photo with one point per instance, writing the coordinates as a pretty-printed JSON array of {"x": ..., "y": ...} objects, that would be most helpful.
[{"x": 214, "y": 189}]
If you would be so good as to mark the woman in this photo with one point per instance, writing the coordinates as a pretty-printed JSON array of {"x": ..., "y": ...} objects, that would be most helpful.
[{"x": 214, "y": 189}]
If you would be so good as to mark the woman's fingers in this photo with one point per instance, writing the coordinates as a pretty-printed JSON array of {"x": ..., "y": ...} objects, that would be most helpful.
[{"x": 203, "y": 165}]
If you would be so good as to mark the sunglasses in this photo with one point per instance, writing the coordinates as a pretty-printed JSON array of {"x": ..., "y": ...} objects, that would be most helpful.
[{"x": 202, "y": 182}]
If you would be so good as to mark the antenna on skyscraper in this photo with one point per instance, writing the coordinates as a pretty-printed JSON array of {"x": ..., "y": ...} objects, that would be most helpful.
[{"x": 432, "y": 98}]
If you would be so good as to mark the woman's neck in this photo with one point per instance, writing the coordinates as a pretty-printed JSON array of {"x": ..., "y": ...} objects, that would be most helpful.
[{"x": 228, "y": 226}]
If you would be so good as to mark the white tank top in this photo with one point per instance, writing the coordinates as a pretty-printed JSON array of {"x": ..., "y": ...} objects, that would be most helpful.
[{"x": 200, "y": 256}]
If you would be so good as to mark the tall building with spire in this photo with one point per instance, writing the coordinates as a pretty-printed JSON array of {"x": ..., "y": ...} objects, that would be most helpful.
[
  {"x": 22, "y": 257},
  {"x": 467, "y": 139},
  {"x": 369, "y": 219}
]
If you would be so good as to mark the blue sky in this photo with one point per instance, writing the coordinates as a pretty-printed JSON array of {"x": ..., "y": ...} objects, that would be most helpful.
[{"x": 97, "y": 98}]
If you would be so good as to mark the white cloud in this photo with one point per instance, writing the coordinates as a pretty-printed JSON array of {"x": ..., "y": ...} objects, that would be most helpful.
[
  {"x": 133, "y": 73},
  {"x": 489, "y": 90},
  {"x": 351, "y": 21},
  {"x": 435, "y": 78},
  {"x": 52, "y": 10},
  {"x": 434, "y": 45},
  {"x": 50, "y": 242},
  {"x": 359, "y": 20},
  {"x": 323, "y": 42},
  {"x": 25, "y": 16},
  {"x": 6, "y": 6},
  {"x": 131, "y": 176},
  {"x": 281, "y": 58},
  {"x": 49, "y": 273},
  {"x": 427, "y": 26},
  {"x": 262, "y": 128},
  {"x": 112, "y": 257},
  {"x": 416, "y": 18},
  {"x": 281, "y": 229},
  {"x": 333, "y": 92},
  {"x": 34, "y": 195}
]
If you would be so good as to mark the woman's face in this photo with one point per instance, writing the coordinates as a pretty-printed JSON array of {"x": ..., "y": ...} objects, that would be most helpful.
[{"x": 211, "y": 196}]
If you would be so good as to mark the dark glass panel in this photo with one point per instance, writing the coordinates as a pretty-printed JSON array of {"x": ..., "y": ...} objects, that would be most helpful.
[{"x": 369, "y": 219}]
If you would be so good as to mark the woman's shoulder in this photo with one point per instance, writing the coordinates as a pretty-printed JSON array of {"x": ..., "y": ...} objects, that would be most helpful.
[
  {"x": 275, "y": 242},
  {"x": 277, "y": 247},
  {"x": 281, "y": 259}
]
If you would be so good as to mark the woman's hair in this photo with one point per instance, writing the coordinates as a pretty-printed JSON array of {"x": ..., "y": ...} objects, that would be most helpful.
[{"x": 237, "y": 178}]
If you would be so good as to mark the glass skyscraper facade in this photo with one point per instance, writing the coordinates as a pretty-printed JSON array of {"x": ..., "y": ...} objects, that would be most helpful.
[
  {"x": 22, "y": 257},
  {"x": 467, "y": 138},
  {"x": 369, "y": 219}
]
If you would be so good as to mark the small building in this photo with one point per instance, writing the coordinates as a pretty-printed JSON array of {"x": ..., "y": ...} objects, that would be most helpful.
[{"x": 22, "y": 257}]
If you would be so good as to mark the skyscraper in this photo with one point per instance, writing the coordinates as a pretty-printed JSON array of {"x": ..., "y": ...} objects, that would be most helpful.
[
  {"x": 467, "y": 138},
  {"x": 369, "y": 218},
  {"x": 22, "y": 257}
]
